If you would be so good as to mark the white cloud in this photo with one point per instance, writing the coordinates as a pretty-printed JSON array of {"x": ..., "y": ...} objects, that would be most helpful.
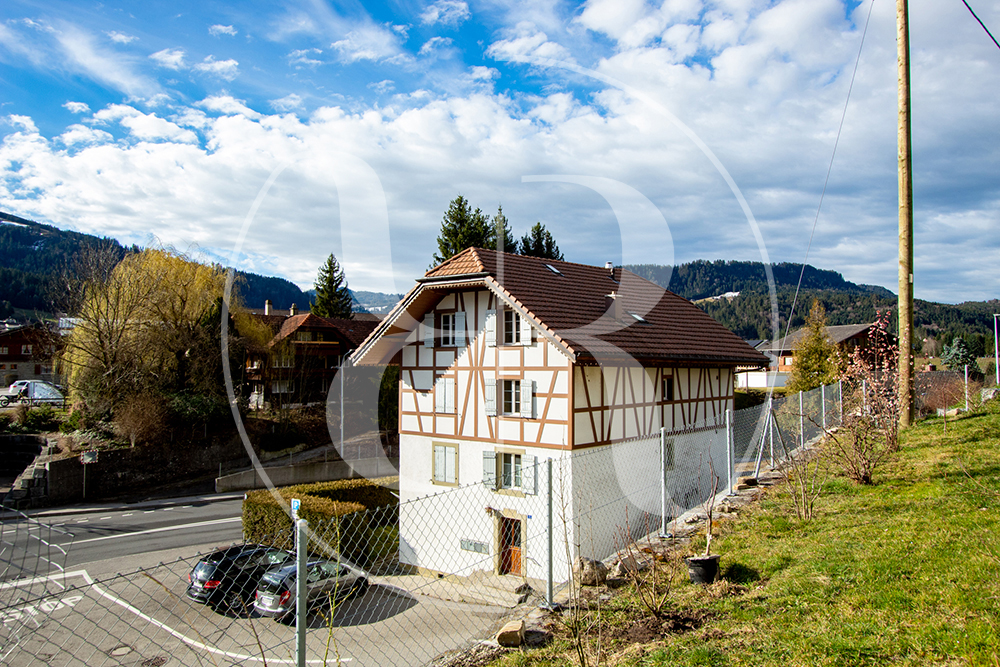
[
  {"x": 218, "y": 29},
  {"x": 108, "y": 68},
  {"x": 169, "y": 58},
  {"x": 384, "y": 86},
  {"x": 369, "y": 42},
  {"x": 303, "y": 57},
  {"x": 120, "y": 37},
  {"x": 228, "y": 105},
  {"x": 224, "y": 69},
  {"x": 447, "y": 12},
  {"x": 145, "y": 127},
  {"x": 76, "y": 135},
  {"x": 76, "y": 107},
  {"x": 287, "y": 103},
  {"x": 480, "y": 73},
  {"x": 434, "y": 44},
  {"x": 526, "y": 40}
]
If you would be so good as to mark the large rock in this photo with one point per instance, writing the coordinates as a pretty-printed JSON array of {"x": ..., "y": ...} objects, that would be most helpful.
[
  {"x": 589, "y": 572},
  {"x": 511, "y": 634},
  {"x": 629, "y": 565}
]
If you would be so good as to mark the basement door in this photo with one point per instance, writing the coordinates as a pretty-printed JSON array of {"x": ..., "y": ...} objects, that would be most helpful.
[{"x": 510, "y": 546}]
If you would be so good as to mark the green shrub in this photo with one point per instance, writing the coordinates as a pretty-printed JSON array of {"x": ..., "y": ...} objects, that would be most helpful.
[
  {"x": 334, "y": 526},
  {"x": 371, "y": 493},
  {"x": 5, "y": 422},
  {"x": 43, "y": 418}
]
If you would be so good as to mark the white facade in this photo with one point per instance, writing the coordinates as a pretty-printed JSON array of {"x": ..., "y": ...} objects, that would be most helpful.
[{"x": 486, "y": 397}]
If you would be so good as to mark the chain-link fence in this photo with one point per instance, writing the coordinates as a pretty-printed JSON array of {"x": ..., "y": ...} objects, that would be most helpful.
[{"x": 397, "y": 585}]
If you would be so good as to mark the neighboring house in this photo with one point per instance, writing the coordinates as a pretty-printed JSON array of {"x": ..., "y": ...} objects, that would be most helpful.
[
  {"x": 300, "y": 362},
  {"x": 507, "y": 360},
  {"x": 846, "y": 337},
  {"x": 25, "y": 354}
]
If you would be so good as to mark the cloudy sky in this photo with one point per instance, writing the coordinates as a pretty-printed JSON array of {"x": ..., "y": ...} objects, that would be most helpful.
[{"x": 274, "y": 133}]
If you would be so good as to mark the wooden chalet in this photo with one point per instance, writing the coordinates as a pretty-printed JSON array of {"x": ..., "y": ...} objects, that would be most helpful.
[{"x": 507, "y": 359}]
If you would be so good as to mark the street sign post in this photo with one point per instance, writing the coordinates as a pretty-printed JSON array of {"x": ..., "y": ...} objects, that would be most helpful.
[{"x": 85, "y": 458}]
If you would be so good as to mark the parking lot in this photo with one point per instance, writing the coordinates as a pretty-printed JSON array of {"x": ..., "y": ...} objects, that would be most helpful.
[{"x": 145, "y": 619}]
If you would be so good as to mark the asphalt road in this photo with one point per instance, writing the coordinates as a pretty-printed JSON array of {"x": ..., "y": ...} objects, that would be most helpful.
[{"x": 104, "y": 535}]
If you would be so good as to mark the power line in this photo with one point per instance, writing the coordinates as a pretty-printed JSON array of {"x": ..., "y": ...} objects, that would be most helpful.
[
  {"x": 981, "y": 23},
  {"x": 829, "y": 169}
]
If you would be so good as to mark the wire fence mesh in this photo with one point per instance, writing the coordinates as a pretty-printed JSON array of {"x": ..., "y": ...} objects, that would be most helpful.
[{"x": 395, "y": 585}]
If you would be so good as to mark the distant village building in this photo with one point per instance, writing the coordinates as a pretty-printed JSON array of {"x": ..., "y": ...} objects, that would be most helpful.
[
  {"x": 25, "y": 354},
  {"x": 298, "y": 364},
  {"x": 846, "y": 338}
]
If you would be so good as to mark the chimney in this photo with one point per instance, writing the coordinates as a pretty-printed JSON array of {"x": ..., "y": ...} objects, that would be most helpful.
[
  {"x": 613, "y": 306},
  {"x": 610, "y": 268},
  {"x": 293, "y": 311},
  {"x": 267, "y": 306}
]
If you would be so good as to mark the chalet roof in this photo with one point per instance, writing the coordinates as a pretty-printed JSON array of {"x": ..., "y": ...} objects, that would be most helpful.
[
  {"x": 570, "y": 304},
  {"x": 838, "y": 334},
  {"x": 353, "y": 332}
]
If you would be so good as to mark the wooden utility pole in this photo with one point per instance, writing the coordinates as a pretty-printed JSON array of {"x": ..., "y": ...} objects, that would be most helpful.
[{"x": 906, "y": 392}]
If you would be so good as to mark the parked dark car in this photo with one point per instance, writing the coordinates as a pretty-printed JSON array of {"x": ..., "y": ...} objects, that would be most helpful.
[
  {"x": 227, "y": 579},
  {"x": 325, "y": 580}
]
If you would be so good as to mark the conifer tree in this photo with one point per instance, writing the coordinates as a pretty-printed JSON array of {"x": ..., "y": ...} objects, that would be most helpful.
[
  {"x": 463, "y": 228},
  {"x": 504, "y": 239},
  {"x": 333, "y": 299},
  {"x": 539, "y": 243},
  {"x": 815, "y": 355}
]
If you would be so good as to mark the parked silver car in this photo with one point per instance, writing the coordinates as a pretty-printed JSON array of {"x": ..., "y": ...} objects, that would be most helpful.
[{"x": 325, "y": 580}]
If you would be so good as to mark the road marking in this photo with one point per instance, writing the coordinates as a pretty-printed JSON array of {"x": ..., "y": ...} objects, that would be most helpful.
[
  {"x": 149, "y": 511},
  {"x": 167, "y": 509},
  {"x": 83, "y": 520},
  {"x": 129, "y": 514},
  {"x": 213, "y": 522},
  {"x": 104, "y": 518},
  {"x": 149, "y": 619}
]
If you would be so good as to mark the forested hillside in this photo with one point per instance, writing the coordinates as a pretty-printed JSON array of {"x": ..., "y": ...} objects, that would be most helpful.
[{"x": 846, "y": 303}]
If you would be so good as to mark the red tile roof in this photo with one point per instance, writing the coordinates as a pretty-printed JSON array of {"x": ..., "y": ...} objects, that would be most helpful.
[{"x": 354, "y": 332}]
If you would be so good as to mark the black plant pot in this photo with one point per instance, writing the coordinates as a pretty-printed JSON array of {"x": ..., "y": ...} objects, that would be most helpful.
[{"x": 703, "y": 569}]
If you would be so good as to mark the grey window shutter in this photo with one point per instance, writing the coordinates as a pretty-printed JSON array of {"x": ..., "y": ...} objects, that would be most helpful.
[
  {"x": 527, "y": 399},
  {"x": 490, "y": 470},
  {"x": 491, "y": 328},
  {"x": 440, "y": 395},
  {"x": 529, "y": 475},
  {"x": 491, "y": 397},
  {"x": 429, "y": 330},
  {"x": 460, "y": 329},
  {"x": 525, "y": 330}
]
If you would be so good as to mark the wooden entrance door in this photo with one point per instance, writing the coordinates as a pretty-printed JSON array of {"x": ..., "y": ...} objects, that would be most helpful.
[{"x": 510, "y": 546}]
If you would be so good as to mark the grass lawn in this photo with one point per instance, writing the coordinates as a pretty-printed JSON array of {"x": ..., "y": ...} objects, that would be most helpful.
[{"x": 904, "y": 572}]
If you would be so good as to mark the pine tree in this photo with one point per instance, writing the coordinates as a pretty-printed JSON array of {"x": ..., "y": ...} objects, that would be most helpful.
[
  {"x": 333, "y": 299},
  {"x": 504, "y": 239},
  {"x": 815, "y": 355},
  {"x": 539, "y": 243},
  {"x": 958, "y": 355},
  {"x": 463, "y": 228}
]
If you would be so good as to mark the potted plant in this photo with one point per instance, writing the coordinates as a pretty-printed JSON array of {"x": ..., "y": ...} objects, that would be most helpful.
[{"x": 704, "y": 568}]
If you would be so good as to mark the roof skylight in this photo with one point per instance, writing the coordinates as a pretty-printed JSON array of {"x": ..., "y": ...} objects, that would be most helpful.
[{"x": 553, "y": 269}]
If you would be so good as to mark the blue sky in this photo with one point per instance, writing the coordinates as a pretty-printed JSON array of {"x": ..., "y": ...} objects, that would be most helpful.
[{"x": 637, "y": 132}]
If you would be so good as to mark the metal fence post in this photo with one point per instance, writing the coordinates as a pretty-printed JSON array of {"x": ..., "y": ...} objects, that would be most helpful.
[
  {"x": 840, "y": 400},
  {"x": 301, "y": 592},
  {"x": 802, "y": 424},
  {"x": 663, "y": 481},
  {"x": 551, "y": 538},
  {"x": 730, "y": 450},
  {"x": 822, "y": 404}
]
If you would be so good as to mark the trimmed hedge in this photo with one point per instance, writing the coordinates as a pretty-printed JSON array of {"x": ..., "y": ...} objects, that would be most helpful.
[
  {"x": 336, "y": 512},
  {"x": 371, "y": 493}
]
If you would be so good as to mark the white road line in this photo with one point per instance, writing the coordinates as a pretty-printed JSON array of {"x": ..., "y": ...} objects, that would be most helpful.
[
  {"x": 167, "y": 509},
  {"x": 129, "y": 514},
  {"x": 213, "y": 522},
  {"x": 149, "y": 511},
  {"x": 104, "y": 518},
  {"x": 83, "y": 520},
  {"x": 163, "y": 626}
]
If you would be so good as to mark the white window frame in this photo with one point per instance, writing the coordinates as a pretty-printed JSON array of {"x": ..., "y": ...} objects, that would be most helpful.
[
  {"x": 26, "y": 349},
  {"x": 444, "y": 464},
  {"x": 669, "y": 388},
  {"x": 510, "y": 397},
  {"x": 511, "y": 470},
  {"x": 283, "y": 361},
  {"x": 447, "y": 329},
  {"x": 281, "y": 386},
  {"x": 511, "y": 327},
  {"x": 3, "y": 350}
]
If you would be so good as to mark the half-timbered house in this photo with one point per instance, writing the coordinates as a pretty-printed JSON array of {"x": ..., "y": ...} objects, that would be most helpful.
[{"x": 507, "y": 360}]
